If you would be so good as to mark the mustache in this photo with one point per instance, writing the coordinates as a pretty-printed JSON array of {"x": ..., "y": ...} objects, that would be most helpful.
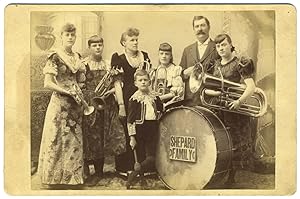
[{"x": 200, "y": 32}]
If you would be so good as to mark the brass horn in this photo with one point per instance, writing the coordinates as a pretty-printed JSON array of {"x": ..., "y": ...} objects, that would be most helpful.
[
  {"x": 147, "y": 66},
  {"x": 80, "y": 100},
  {"x": 195, "y": 77},
  {"x": 218, "y": 93},
  {"x": 160, "y": 80},
  {"x": 103, "y": 88}
]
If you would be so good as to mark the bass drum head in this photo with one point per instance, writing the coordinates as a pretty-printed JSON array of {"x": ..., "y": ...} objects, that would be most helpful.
[{"x": 181, "y": 163}]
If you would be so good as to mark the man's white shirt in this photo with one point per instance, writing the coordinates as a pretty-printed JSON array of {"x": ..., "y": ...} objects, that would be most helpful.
[{"x": 202, "y": 47}]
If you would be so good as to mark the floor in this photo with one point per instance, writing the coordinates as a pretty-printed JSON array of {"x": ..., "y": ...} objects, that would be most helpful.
[{"x": 112, "y": 181}]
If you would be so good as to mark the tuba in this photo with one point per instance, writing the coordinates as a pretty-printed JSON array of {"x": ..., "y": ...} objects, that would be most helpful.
[
  {"x": 80, "y": 100},
  {"x": 218, "y": 93},
  {"x": 103, "y": 88}
]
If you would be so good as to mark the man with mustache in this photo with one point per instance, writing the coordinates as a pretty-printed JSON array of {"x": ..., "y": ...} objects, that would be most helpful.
[{"x": 203, "y": 51}]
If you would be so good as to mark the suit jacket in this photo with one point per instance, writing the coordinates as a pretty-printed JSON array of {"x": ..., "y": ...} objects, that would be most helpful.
[
  {"x": 137, "y": 110},
  {"x": 189, "y": 58}
]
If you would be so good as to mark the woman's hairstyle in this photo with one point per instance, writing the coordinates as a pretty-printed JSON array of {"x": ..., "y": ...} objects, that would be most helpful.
[
  {"x": 95, "y": 39},
  {"x": 196, "y": 18},
  {"x": 221, "y": 37},
  {"x": 129, "y": 32},
  {"x": 166, "y": 47},
  {"x": 68, "y": 27},
  {"x": 141, "y": 72}
]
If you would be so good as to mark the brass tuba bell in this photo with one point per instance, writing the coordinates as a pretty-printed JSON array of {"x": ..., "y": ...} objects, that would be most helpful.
[{"x": 218, "y": 93}]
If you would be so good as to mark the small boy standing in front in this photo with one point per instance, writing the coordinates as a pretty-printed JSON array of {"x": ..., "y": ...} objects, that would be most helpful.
[{"x": 142, "y": 122}]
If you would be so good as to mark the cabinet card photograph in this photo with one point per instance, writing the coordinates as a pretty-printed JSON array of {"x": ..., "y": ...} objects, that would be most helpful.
[{"x": 150, "y": 99}]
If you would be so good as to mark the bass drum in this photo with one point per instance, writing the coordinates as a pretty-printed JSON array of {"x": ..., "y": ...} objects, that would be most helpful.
[{"x": 194, "y": 150}]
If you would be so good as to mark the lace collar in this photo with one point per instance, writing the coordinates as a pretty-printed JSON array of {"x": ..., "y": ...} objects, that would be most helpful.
[
  {"x": 73, "y": 62},
  {"x": 96, "y": 65},
  {"x": 143, "y": 98},
  {"x": 136, "y": 61}
]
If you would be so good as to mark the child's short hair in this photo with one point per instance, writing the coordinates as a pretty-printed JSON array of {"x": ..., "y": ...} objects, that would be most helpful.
[
  {"x": 95, "y": 39},
  {"x": 141, "y": 72}
]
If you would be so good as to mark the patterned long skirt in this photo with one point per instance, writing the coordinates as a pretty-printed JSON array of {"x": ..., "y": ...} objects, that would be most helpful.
[
  {"x": 61, "y": 152},
  {"x": 103, "y": 132}
]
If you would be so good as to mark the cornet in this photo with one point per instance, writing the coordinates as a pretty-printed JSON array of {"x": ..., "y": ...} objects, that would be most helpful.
[
  {"x": 160, "y": 86},
  {"x": 103, "y": 87},
  {"x": 160, "y": 80},
  {"x": 218, "y": 93},
  {"x": 80, "y": 100}
]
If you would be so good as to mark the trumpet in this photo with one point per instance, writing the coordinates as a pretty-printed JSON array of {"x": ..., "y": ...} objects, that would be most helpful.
[
  {"x": 80, "y": 100},
  {"x": 218, "y": 93},
  {"x": 102, "y": 89}
]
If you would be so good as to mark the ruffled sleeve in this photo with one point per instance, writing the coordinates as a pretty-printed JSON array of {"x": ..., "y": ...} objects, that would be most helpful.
[
  {"x": 118, "y": 71},
  {"x": 177, "y": 82},
  {"x": 50, "y": 67},
  {"x": 177, "y": 86},
  {"x": 246, "y": 68}
]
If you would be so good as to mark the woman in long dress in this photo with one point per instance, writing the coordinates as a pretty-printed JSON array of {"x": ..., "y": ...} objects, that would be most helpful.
[
  {"x": 61, "y": 152},
  {"x": 240, "y": 71},
  {"x": 103, "y": 132},
  {"x": 129, "y": 61}
]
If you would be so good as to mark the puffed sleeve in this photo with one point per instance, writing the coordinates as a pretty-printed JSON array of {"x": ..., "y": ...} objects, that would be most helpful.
[
  {"x": 177, "y": 82},
  {"x": 246, "y": 68},
  {"x": 50, "y": 67},
  {"x": 177, "y": 86},
  {"x": 118, "y": 71}
]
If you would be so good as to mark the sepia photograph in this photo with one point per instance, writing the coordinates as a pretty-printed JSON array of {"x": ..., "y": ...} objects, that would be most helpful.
[{"x": 153, "y": 98}]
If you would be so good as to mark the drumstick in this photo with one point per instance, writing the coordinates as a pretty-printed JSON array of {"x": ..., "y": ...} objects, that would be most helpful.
[{"x": 137, "y": 165}]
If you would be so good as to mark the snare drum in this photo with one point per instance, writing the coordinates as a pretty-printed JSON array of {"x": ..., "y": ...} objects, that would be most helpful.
[{"x": 194, "y": 150}]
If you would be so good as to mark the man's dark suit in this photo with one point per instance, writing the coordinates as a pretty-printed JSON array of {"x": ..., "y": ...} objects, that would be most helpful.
[{"x": 189, "y": 58}]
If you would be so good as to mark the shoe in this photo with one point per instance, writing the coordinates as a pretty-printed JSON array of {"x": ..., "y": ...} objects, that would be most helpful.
[
  {"x": 93, "y": 181},
  {"x": 122, "y": 173},
  {"x": 144, "y": 184},
  {"x": 131, "y": 178}
]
